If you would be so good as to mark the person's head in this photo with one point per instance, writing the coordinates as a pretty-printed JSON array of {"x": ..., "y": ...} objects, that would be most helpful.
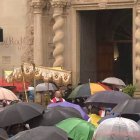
[
  {"x": 58, "y": 94},
  {"x": 95, "y": 110},
  {"x": 69, "y": 86}
]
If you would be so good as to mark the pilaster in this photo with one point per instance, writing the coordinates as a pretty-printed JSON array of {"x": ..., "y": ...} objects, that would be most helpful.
[
  {"x": 137, "y": 46},
  {"x": 38, "y": 6}
]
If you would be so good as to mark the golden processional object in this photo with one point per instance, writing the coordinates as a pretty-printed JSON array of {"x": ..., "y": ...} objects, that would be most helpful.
[{"x": 48, "y": 74}]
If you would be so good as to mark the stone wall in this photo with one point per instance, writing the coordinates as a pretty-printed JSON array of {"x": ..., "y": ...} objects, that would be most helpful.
[{"x": 13, "y": 22}]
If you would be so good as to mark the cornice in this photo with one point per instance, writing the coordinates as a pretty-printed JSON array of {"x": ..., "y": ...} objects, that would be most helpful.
[{"x": 103, "y": 3}]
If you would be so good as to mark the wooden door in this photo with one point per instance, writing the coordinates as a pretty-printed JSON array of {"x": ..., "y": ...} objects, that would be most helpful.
[{"x": 105, "y": 54}]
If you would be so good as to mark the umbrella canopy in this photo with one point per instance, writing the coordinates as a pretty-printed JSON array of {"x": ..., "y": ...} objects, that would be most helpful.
[
  {"x": 45, "y": 87},
  {"x": 107, "y": 98},
  {"x": 41, "y": 133},
  {"x": 131, "y": 106},
  {"x": 134, "y": 117},
  {"x": 114, "y": 81},
  {"x": 31, "y": 88},
  {"x": 67, "y": 104},
  {"x": 54, "y": 115},
  {"x": 108, "y": 117},
  {"x": 6, "y": 94},
  {"x": 138, "y": 122},
  {"x": 77, "y": 129},
  {"x": 19, "y": 113},
  {"x": 117, "y": 129},
  {"x": 85, "y": 90},
  {"x": 3, "y": 134}
]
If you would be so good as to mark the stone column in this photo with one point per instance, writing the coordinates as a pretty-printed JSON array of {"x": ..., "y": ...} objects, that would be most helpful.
[
  {"x": 58, "y": 6},
  {"x": 38, "y": 48},
  {"x": 137, "y": 47}
]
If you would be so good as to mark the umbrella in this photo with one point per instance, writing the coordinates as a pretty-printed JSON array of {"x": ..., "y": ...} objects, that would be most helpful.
[
  {"x": 114, "y": 81},
  {"x": 138, "y": 122},
  {"x": 107, "y": 98},
  {"x": 67, "y": 104},
  {"x": 77, "y": 129},
  {"x": 117, "y": 129},
  {"x": 94, "y": 119},
  {"x": 41, "y": 133},
  {"x": 31, "y": 88},
  {"x": 6, "y": 94},
  {"x": 19, "y": 113},
  {"x": 129, "y": 107},
  {"x": 108, "y": 117},
  {"x": 134, "y": 117},
  {"x": 54, "y": 115},
  {"x": 3, "y": 134},
  {"x": 85, "y": 90},
  {"x": 45, "y": 87}
]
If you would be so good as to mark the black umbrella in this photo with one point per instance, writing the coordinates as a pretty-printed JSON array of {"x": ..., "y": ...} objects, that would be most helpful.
[
  {"x": 54, "y": 115},
  {"x": 19, "y": 113},
  {"x": 107, "y": 98},
  {"x": 3, "y": 134},
  {"x": 41, "y": 133},
  {"x": 131, "y": 106}
]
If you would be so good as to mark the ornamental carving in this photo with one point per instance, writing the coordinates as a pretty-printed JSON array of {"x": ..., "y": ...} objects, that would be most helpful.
[
  {"x": 38, "y": 5},
  {"x": 27, "y": 55},
  {"x": 59, "y": 76},
  {"x": 102, "y": 3},
  {"x": 59, "y": 3}
]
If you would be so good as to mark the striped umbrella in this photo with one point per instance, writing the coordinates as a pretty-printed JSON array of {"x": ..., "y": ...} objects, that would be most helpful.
[{"x": 85, "y": 90}]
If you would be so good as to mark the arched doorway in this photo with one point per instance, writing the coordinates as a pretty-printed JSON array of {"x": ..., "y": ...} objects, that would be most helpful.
[{"x": 106, "y": 44}]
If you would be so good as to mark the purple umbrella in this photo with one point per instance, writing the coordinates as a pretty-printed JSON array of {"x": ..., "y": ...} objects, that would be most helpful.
[{"x": 67, "y": 104}]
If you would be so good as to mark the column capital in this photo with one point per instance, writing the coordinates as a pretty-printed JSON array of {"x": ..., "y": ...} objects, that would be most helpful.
[
  {"x": 38, "y": 5},
  {"x": 59, "y": 3}
]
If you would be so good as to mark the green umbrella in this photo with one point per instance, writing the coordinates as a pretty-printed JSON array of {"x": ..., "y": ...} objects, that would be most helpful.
[
  {"x": 74, "y": 92},
  {"x": 77, "y": 129}
]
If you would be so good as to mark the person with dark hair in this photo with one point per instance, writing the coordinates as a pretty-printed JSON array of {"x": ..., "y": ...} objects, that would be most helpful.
[
  {"x": 58, "y": 97},
  {"x": 94, "y": 116},
  {"x": 4, "y": 103},
  {"x": 68, "y": 92}
]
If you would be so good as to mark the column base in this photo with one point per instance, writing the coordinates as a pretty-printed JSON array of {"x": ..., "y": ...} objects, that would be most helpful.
[{"x": 137, "y": 94}]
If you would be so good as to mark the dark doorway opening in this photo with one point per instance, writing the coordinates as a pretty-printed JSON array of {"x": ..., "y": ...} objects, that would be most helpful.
[{"x": 106, "y": 45}]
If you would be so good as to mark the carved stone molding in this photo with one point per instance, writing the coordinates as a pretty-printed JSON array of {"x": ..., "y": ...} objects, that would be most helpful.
[
  {"x": 103, "y": 4},
  {"x": 102, "y": 1},
  {"x": 59, "y": 3},
  {"x": 38, "y": 5},
  {"x": 27, "y": 55}
]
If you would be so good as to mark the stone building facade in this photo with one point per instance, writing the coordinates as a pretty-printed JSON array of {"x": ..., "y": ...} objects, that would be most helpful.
[{"x": 51, "y": 34}]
